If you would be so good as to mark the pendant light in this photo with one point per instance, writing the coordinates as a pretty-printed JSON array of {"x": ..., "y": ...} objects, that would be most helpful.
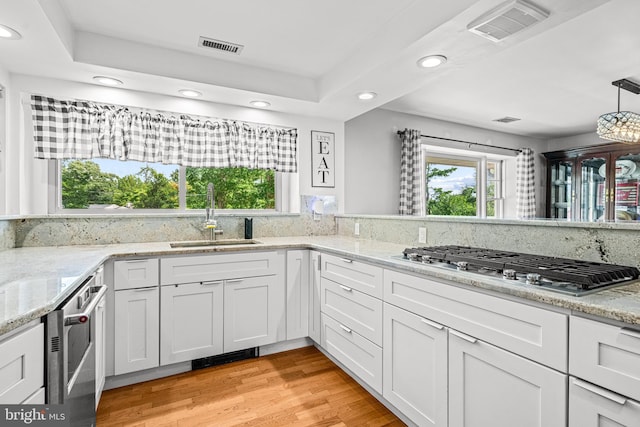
[{"x": 623, "y": 126}]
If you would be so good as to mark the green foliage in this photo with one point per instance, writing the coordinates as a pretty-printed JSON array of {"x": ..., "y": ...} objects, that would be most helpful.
[
  {"x": 235, "y": 188},
  {"x": 441, "y": 202},
  {"x": 83, "y": 184}
]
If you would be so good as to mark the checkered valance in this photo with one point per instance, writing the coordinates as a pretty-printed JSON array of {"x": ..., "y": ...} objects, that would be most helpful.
[{"x": 84, "y": 130}]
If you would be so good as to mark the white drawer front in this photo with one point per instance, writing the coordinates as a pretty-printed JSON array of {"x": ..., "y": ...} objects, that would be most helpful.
[
  {"x": 355, "y": 310},
  {"x": 532, "y": 332},
  {"x": 357, "y": 275},
  {"x": 358, "y": 354},
  {"x": 605, "y": 355},
  {"x": 135, "y": 273},
  {"x": 198, "y": 268},
  {"x": 22, "y": 365},
  {"x": 592, "y": 406}
]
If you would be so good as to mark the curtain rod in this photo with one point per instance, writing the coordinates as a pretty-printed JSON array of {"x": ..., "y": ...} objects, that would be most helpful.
[{"x": 401, "y": 132}]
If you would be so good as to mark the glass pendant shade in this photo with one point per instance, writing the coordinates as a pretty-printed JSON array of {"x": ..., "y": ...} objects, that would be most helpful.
[{"x": 623, "y": 126}]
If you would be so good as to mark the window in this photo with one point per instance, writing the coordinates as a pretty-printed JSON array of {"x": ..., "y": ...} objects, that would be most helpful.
[
  {"x": 462, "y": 185},
  {"x": 104, "y": 185}
]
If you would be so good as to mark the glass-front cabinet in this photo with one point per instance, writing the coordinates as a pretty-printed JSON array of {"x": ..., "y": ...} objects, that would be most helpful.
[{"x": 594, "y": 184}]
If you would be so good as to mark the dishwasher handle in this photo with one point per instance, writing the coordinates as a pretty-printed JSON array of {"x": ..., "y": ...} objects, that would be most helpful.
[{"x": 76, "y": 319}]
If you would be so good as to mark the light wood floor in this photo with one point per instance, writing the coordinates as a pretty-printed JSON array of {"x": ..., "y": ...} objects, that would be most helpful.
[{"x": 294, "y": 388}]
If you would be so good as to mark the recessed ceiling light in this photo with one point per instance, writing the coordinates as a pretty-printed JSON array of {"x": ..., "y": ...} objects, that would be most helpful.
[
  {"x": 108, "y": 81},
  {"x": 9, "y": 33},
  {"x": 189, "y": 93},
  {"x": 366, "y": 96},
  {"x": 260, "y": 104},
  {"x": 432, "y": 61}
]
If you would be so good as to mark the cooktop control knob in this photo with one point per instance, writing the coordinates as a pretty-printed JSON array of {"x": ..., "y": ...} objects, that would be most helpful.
[
  {"x": 463, "y": 265},
  {"x": 509, "y": 274},
  {"x": 533, "y": 279},
  {"x": 426, "y": 259}
]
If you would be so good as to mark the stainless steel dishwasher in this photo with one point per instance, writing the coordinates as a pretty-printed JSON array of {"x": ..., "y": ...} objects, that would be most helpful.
[{"x": 70, "y": 354}]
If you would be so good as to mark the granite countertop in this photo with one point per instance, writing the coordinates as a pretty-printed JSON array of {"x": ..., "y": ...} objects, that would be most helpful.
[{"x": 35, "y": 280}]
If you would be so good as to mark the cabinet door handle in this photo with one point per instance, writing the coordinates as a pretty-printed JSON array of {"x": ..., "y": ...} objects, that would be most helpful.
[
  {"x": 234, "y": 280},
  {"x": 344, "y": 328},
  {"x": 630, "y": 332},
  {"x": 432, "y": 324},
  {"x": 346, "y": 260},
  {"x": 465, "y": 337},
  {"x": 346, "y": 288},
  {"x": 600, "y": 392},
  {"x": 319, "y": 263},
  {"x": 217, "y": 282}
]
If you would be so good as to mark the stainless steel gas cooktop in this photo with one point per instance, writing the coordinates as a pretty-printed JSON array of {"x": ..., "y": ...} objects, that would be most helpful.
[{"x": 569, "y": 276}]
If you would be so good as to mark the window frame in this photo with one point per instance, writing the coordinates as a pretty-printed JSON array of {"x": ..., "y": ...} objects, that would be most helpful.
[
  {"x": 481, "y": 159},
  {"x": 283, "y": 181}
]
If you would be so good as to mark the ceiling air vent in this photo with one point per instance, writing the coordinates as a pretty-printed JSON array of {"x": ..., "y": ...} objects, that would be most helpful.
[
  {"x": 220, "y": 45},
  {"x": 507, "y": 19},
  {"x": 507, "y": 119}
]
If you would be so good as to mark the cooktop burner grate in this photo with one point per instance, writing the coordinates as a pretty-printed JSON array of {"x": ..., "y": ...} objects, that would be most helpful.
[{"x": 560, "y": 272}]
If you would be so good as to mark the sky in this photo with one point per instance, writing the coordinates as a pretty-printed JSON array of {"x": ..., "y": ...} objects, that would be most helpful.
[{"x": 461, "y": 178}]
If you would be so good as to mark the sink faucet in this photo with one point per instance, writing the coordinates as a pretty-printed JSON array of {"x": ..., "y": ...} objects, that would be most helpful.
[{"x": 210, "y": 222}]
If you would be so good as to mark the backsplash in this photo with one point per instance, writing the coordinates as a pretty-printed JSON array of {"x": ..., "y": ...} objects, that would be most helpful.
[
  {"x": 7, "y": 234},
  {"x": 109, "y": 229},
  {"x": 598, "y": 242}
]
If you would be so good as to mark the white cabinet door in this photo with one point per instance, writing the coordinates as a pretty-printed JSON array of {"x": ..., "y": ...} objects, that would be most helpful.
[
  {"x": 100, "y": 343},
  {"x": 592, "y": 406},
  {"x": 297, "y": 294},
  {"x": 315, "y": 326},
  {"x": 191, "y": 321},
  {"x": 492, "y": 387},
  {"x": 254, "y": 312},
  {"x": 415, "y": 366},
  {"x": 21, "y": 365},
  {"x": 137, "y": 322}
]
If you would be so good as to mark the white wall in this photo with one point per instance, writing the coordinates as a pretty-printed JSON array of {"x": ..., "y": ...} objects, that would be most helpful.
[
  {"x": 372, "y": 157},
  {"x": 27, "y": 192},
  {"x": 576, "y": 141},
  {"x": 4, "y": 134}
]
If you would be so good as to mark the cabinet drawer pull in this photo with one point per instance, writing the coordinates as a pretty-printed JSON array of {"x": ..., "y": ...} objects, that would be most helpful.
[
  {"x": 630, "y": 332},
  {"x": 234, "y": 280},
  {"x": 216, "y": 282},
  {"x": 133, "y": 261},
  {"x": 346, "y": 288},
  {"x": 432, "y": 324},
  {"x": 467, "y": 338},
  {"x": 344, "y": 328},
  {"x": 346, "y": 260},
  {"x": 145, "y": 289},
  {"x": 600, "y": 392}
]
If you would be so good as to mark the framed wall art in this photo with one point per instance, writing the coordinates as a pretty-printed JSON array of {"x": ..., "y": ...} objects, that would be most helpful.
[{"x": 323, "y": 159}]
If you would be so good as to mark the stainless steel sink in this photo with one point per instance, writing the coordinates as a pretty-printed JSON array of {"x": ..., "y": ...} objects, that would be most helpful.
[{"x": 221, "y": 242}]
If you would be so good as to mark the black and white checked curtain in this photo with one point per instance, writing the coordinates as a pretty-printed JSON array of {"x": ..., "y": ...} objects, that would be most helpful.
[
  {"x": 85, "y": 130},
  {"x": 410, "y": 175},
  {"x": 525, "y": 185}
]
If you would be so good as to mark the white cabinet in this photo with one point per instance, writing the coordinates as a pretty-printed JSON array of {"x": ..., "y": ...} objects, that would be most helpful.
[
  {"x": 137, "y": 322},
  {"x": 315, "y": 326},
  {"x": 606, "y": 358},
  {"x": 492, "y": 387},
  {"x": 606, "y": 355},
  {"x": 362, "y": 357},
  {"x": 100, "y": 345},
  {"x": 593, "y": 406},
  {"x": 415, "y": 366},
  {"x": 254, "y": 312},
  {"x": 135, "y": 273},
  {"x": 191, "y": 321},
  {"x": 297, "y": 294},
  {"x": 351, "y": 311},
  {"x": 22, "y": 364}
]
